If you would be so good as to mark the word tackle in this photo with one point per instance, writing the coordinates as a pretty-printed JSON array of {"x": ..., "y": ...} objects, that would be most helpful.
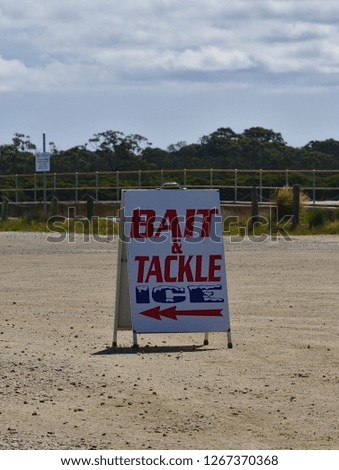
[{"x": 176, "y": 260}]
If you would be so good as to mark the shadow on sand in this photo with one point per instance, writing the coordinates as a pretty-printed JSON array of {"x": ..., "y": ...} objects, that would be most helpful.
[{"x": 153, "y": 350}]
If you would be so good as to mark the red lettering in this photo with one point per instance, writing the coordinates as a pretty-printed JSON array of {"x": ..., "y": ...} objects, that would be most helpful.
[
  {"x": 155, "y": 270},
  {"x": 181, "y": 268},
  {"x": 143, "y": 221},
  {"x": 141, "y": 267},
  {"x": 213, "y": 267},
  {"x": 167, "y": 270},
  {"x": 206, "y": 222},
  {"x": 189, "y": 226},
  {"x": 142, "y": 218},
  {"x": 184, "y": 269},
  {"x": 198, "y": 269},
  {"x": 171, "y": 217}
]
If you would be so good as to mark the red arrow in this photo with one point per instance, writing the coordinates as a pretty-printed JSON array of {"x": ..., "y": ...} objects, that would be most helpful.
[{"x": 172, "y": 313}]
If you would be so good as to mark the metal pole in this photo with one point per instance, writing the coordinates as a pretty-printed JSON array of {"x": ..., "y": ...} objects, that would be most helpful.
[
  {"x": 313, "y": 184},
  {"x": 211, "y": 178},
  {"x": 44, "y": 176},
  {"x": 286, "y": 175},
  {"x": 296, "y": 203},
  {"x": 235, "y": 185},
  {"x": 260, "y": 186},
  {"x": 139, "y": 179}
]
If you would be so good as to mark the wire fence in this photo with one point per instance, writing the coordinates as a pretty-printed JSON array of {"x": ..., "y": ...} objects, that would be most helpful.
[{"x": 234, "y": 184}]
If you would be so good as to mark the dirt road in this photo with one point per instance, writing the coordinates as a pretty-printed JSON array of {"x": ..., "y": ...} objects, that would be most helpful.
[{"x": 62, "y": 387}]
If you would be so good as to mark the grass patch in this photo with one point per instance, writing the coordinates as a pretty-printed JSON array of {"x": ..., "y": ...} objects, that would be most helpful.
[
  {"x": 103, "y": 227},
  {"x": 22, "y": 225},
  {"x": 310, "y": 224}
]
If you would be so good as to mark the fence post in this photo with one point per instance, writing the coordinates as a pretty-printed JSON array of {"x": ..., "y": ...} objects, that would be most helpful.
[
  {"x": 211, "y": 178},
  {"x": 4, "y": 208},
  {"x": 16, "y": 189},
  {"x": 235, "y": 185},
  {"x": 313, "y": 187},
  {"x": 162, "y": 177},
  {"x": 54, "y": 206},
  {"x": 54, "y": 182},
  {"x": 254, "y": 205},
  {"x": 286, "y": 180},
  {"x": 139, "y": 179},
  {"x": 90, "y": 207},
  {"x": 184, "y": 177},
  {"x": 260, "y": 185},
  {"x": 117, "y": 185},
  {"x": 96, "y": 185},
  {"x": 76, "y": 186},
  {"x": 34, "y": 187},
  {"x": 296, "y": 204}
]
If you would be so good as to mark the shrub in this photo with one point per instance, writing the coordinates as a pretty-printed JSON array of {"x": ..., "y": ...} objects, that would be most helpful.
[
  {"x": 333, "y": 228},
  {"x": 283, "y": 199},
  {"x": 316, "y": 217}
]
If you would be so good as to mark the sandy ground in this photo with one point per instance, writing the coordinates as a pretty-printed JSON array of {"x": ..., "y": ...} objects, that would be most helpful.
[{"x": 62, "y": 387}]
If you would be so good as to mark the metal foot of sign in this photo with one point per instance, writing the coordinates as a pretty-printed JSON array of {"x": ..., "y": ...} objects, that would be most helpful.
[
  {"x": 206, "y": 339},
  {"x": 171, "y": 274},
  {"x": 229, "y": 340}
]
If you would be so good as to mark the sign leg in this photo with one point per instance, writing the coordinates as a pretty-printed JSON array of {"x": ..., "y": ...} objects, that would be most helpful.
[
  {"x": 115, "y": 337},
  {"x": 122, "y": 314},
  {"x": 135, "y": 340},
  {"x": 229, "y": 340},
  {"x": 206, "y": 339}
]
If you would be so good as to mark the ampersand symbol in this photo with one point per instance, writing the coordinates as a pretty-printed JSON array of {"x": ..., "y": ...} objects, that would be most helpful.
[{"x": 176, "y": 248}]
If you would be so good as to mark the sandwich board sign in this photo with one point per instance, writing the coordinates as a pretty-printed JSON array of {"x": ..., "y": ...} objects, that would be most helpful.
[{"x": 171, "y": 275}]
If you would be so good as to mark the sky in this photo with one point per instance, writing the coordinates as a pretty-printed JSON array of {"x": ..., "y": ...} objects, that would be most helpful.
[{"x": 170, "y": 70}]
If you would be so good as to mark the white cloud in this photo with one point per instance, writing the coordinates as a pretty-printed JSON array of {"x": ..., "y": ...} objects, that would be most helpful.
[
  {"x": 12, "y": 73},
  {"x": 9, "y": 68},
  {"x": 204, "y": 59},
  {"x": 207, "y": 59},
  {"x": 106, "y": 43}
]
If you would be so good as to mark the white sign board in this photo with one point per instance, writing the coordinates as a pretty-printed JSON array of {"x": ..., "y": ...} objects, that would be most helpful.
[
  {"x": 176, "y": 266},
  {"x": 42, "y": 162}
]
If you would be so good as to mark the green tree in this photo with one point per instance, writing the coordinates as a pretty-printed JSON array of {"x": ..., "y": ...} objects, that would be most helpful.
[
  {"x": 121, "y": 152},
  {"x": 263, "y": 135},
  {"x": 17, "y": 157}
]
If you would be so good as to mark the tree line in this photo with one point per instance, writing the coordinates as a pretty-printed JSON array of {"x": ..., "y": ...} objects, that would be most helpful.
[{"x": 254, "y": 148}]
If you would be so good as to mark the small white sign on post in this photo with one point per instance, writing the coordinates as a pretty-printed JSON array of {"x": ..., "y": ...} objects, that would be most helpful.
[
  {"x": 173, "y": 244},
  {"x": 42, "y": 162}
]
